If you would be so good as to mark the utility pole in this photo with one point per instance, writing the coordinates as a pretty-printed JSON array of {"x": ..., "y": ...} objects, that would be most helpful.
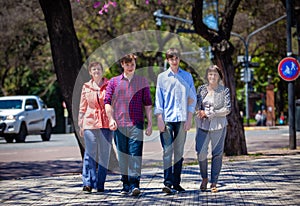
[
  {"x": 291, "y": 84},
  {"x": 246, "y": 60}
]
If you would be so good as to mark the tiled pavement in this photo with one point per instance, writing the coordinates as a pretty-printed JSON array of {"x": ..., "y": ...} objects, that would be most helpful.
[{"x": 271, "y": 180}]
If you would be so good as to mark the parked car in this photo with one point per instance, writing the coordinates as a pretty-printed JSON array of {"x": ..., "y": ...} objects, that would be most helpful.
[{"x": 24, "y": 115}]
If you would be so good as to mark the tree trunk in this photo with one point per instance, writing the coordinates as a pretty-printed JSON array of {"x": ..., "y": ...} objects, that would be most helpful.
[
  {"x": 65, "y": 49},
  {"x": 235, "y": 143}
]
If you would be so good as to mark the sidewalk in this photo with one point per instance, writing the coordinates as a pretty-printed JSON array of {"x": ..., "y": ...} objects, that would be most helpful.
[
  {"x": 253, "y": 127},
  {"x": 269, "y": 175},
  {"x": 272, "y": 178}
]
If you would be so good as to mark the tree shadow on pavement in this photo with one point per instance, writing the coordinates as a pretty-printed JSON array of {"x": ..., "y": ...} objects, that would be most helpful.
[{"x": 17, "y": 170}]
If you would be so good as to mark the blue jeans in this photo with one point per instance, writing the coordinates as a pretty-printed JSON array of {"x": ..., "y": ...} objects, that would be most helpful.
[
  {"x": 97, "y": 151},
  {"x": 129, "y": 144},
  {"x": 172, "y": 141},
  {"x": 217, "y": 139}
]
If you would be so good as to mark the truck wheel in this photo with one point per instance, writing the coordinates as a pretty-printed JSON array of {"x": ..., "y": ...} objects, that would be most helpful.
[
  {"x": 9, "y": 139},
  {"x": 22, "y": 133},
  {"x": 47, "y": 133}
]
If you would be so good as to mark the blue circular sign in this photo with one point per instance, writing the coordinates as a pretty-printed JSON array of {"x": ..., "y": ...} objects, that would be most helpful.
[{"x": 289, "y": 69}]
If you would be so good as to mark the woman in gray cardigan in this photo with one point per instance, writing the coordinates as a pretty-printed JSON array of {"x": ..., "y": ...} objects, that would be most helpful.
[{"x": 213, "y": 105}]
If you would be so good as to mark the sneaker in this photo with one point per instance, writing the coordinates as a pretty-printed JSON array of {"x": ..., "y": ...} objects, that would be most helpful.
[
  {"x": 178, "y": 188},
  {"x": 135, "y": 192},
  {"x": 167, "y": 189},
  {"x": 87, "y": 189},
  {"x": 100, "y": 190}
]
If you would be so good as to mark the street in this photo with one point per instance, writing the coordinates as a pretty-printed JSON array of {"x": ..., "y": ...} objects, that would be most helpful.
[
  {"x": 61, "y": 154},
  {"x": 60, "y": 147}
]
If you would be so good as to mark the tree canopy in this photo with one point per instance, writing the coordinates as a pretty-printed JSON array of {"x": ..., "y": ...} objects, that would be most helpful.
[{"x": 27, "y": 67}]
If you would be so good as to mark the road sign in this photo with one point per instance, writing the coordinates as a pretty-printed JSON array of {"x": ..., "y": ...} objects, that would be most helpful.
[
  {"x": 289, "y": 69},
  {"x": 242, "y": 59}
]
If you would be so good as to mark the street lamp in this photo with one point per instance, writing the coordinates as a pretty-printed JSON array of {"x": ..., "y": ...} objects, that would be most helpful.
[
  {"x": 211, "y": 13},
  {"x": 159, "y": 15},
  {"x": 210, "y": 20},
  {"x": 246, "y": 59}
]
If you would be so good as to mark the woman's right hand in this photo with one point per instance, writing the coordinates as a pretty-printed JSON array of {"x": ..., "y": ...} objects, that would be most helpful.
[
  {"x": 81, "y": 130},
  {"x": 201, "y": 114}
]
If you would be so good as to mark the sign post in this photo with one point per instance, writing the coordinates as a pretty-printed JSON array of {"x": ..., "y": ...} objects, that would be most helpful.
[
  {"x": 291, "y": 84},
  {"x": 289, "y": 69}
]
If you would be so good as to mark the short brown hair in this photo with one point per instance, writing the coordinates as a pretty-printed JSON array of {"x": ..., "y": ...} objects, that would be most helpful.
[
  {"x": 172, "y": 52},
  {"x": 128, "y": 58},
  {"x": 94, "y": 64},
  {"x": 214, "y": 68}
]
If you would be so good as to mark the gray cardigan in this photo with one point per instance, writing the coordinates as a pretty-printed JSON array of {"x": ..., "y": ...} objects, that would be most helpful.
[{"x": 221, "y": 104}]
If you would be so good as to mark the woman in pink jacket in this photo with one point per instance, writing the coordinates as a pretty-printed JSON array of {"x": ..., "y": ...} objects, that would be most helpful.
[{"x": 94, "y": 127}]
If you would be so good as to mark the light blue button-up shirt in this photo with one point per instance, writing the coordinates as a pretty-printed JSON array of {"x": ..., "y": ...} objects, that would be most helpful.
[{"x": 175, "y": 95}]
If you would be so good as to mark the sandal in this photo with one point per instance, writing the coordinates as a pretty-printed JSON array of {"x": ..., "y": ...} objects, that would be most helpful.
[
  {"x": 203, "y": 185},
  {"x": 87, "y": 189},
  {"x": 214, "y": 188}
]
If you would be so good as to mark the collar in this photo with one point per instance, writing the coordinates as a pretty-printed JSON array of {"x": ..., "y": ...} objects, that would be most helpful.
[
  {"x": 96, "y": 87},
  {"x": 124, "y": 77},
  {"x": 171, "y": 73}
]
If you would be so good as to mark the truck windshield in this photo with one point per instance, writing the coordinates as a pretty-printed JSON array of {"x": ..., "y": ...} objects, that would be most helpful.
[{"x": 10, "y": 104}]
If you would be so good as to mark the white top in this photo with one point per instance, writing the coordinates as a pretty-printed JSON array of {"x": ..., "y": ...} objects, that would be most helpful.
[{"x": 216, "y": 106}]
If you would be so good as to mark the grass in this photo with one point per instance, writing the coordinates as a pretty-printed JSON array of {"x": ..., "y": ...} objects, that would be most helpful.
[{"x": 255, "y": 154}]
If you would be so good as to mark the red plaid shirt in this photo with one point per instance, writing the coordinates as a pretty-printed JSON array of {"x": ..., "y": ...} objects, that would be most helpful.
[{"x": 128, "y": 99}]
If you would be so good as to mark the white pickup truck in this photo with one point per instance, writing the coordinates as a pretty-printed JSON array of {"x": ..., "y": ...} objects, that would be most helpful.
[{"x": 24, "y": 115}]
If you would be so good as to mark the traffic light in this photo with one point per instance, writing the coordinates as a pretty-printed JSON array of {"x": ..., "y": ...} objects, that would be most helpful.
[
  {"x": 158, "y": 21},
  {"x": 242, "y": 75},
  {"x": 202, "y": 53},
  {"x": 246, "y": 76},
  {"x": 251, "y": 74},
  {"x": 158, "y": 15}
]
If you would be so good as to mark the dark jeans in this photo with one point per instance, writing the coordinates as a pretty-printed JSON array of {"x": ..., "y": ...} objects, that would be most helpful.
[
  {"x": 129, "y": 143},
  {"x": 172, "y": 141}
]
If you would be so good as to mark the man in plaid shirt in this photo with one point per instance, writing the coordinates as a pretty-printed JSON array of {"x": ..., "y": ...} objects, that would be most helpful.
[{"x": 127, "y": 95}]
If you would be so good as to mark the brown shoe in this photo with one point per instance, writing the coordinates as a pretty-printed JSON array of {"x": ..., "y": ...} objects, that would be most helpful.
[
  {"x": 203, "y": 185},
  {"x": 214, "y": 188},
  {"x": 87, "y": 189}
]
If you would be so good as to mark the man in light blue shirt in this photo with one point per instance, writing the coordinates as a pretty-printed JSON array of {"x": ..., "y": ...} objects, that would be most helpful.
[{"x": 175, "y": 102}]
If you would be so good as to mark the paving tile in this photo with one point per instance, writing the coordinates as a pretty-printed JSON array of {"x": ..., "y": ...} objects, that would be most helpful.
[{"x": 266, "y": 181}]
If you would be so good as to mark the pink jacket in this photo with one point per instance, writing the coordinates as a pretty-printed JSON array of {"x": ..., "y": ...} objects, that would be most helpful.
[{"x": 92, "y": 110}]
